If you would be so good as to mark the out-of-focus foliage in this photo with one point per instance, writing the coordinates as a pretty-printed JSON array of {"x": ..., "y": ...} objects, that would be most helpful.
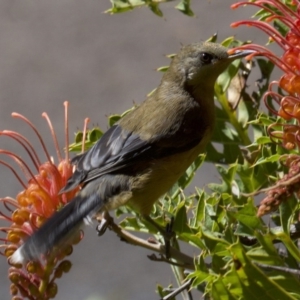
[{"x": 119, "y": 6}]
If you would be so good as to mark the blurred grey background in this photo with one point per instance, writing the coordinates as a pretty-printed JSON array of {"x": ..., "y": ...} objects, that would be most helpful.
[{"x": 52, "y": 51}]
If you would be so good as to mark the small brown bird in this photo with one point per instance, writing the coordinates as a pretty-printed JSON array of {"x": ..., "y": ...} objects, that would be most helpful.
[{"x": 139, "y": 159}]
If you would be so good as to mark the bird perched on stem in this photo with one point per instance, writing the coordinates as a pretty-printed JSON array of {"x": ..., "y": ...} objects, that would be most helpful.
[{"x": 139, "y": 159}]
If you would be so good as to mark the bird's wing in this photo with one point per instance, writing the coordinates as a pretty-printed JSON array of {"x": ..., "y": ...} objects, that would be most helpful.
[{"x": 119, "y": 150}]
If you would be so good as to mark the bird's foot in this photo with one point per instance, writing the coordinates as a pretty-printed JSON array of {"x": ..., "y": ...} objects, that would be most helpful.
[{"x": 104, "y": 220}]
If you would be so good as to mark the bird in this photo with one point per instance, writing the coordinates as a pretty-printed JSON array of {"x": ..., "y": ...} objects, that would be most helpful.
[{"x": 140, "y": 158}]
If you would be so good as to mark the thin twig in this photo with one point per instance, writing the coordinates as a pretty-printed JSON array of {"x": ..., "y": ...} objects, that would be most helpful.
[
  {"x": 185, "y": 260},
  {"x": 153, "y": 257},
  {"x": 177, "y": 291},
  {"x": 278, "y": 268}
]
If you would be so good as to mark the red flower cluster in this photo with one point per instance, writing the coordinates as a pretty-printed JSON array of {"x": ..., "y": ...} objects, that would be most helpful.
[
  {"x": 286, "y": 13},
  {"x": 289, "y": 104},
  {"x": 37, "y": 202}
]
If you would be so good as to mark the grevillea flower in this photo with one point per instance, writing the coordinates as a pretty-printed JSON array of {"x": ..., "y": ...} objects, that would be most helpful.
[
  {"x": 286, "y": 13},
  {"x": 39, "y": 199},
  {"x": 289, "y": 63}
]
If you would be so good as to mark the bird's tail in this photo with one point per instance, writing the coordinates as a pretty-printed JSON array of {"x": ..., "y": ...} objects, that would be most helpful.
[{"x": 57, "y": 228}]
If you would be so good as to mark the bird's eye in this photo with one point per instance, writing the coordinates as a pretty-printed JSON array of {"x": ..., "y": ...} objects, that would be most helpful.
[{"x": 206, "y": 58}]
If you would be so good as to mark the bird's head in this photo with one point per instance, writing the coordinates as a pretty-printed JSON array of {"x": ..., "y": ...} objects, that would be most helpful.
[{"x": 201, "y": 63}]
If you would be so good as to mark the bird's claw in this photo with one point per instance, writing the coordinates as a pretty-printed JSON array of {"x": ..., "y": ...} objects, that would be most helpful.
[{"x": 104, "y": 221}]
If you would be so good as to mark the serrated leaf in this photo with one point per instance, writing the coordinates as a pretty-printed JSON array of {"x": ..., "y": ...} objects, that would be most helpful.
[
  {"x": 180, "y": 219},
  {"x": 263, "y": 120},
  {"x": 287, "y": 210},
  {"x": 112, "y": 119},
  {"x": 288, "y": 242},
  {"x": 228, "y": 42},
  {"x": 262, "y": 287},
  {"x": 247, "y": 216},
  {"x": 192, "y": 239},
  {"x": 200, "y": 209},
  {"x": 219, "y": 291},
  {"x": 132, "y": 223},
  {"x": 263, "y": 140},
  {"x": 199, "y": 277},
  {"x": 263, "y": 160},
  {"x": 94, "y": 135}
]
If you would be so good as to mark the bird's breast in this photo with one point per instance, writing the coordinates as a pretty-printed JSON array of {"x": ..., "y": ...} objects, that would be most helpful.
[{"x": 155, "y": 181}]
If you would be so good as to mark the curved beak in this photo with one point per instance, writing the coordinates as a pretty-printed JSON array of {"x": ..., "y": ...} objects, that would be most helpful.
[{"x": 239, "y": 53}]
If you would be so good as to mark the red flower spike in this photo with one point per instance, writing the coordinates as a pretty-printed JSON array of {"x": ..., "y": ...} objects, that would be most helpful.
[
  {"x": 288, "y": 103},
  {"x": 32, "y": 206}
]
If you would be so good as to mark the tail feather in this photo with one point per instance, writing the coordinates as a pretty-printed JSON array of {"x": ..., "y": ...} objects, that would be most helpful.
[{"x": 58, "y": 228}]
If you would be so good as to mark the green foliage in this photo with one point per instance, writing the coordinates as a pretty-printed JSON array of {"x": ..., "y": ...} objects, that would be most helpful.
[{"x": 120, "y": 6}]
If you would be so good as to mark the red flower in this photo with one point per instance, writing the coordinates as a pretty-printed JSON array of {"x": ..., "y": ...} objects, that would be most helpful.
[
  {"x": 287, "y": 13},
  {"x": 289, "y": 63},
  {"x": 37, "y": 202}
]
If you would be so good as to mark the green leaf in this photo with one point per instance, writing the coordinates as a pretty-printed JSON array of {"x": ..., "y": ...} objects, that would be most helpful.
[
  {"x": 180, "y": 219},
  {"x": 192, "y": 239},
  {"x": 155, "y": 9},
  {"x": 247, "y": 216},
  {"x": 113, "y": 119},
  {"x": 92, "y": 136},
  {"x": 214, "y": 242},
  {"x": 263, "y": 160},
  {"x": 230, "y": 42},
  {"x": 201, "y": 274},
  {"x": 263, "y": 140},
  {"x": 163, "y": 69},
  {"x": 219, "y": 291},
  {"x": 228, "y": 175},
  {"x": 262, "y": 14},
  {"x": 281, "y": 27},
  {"x": 252, "y": 178},
  {"x": 263, "y": 120},
  {"x": 267, "y": 253},
  {"x": 288, "y": 242},
  {"x": 132, "y": 223},
  {"x": 244, "y": 112},
  {"x": 287, "y": 210},
  {"x": 261, "y": 286},
  {"x": 200, "y": 209},
  {"x": 184, "y": 7},
  {"x": 120, "y": 6},
  {"x": 225, "y": 78}
]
